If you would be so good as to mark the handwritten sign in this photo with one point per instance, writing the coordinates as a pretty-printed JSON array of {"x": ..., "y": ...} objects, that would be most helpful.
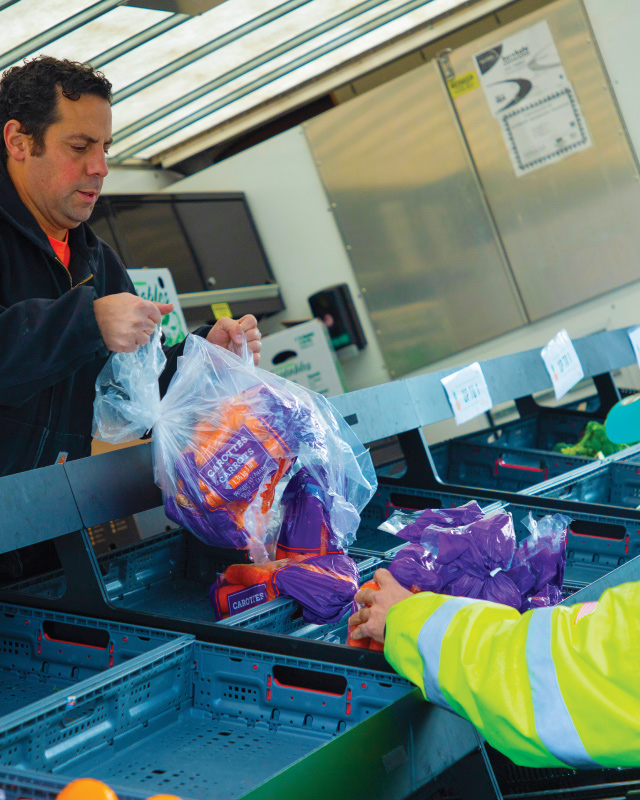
[
  {"x": 467, "y": 392},
  {"x": 562, "y": 363}
]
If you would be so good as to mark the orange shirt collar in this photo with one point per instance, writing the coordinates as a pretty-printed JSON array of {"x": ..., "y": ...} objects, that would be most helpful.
[{"x": 61, "y": 249}]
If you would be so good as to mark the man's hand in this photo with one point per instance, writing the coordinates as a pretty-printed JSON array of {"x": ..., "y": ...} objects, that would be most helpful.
[
  {"x": 371, "y": 620},
  {"x": 228, "y": 334},
  {"x": 126, "y": 321}
]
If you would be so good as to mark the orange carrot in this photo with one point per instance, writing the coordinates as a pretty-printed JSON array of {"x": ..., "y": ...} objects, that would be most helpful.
[
  {"x": 251, "y": 574},
  {"x": 223, "y": 593},
  {"x": 268, "y": 492}
]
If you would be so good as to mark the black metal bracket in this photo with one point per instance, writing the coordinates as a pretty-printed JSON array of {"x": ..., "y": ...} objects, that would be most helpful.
[{"x": 608, "y": 394}]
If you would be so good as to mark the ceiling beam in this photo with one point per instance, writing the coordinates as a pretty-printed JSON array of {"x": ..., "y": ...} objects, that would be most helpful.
[
  {"x": 191, "y": 7},
  {"x": 6, "y": 3}
]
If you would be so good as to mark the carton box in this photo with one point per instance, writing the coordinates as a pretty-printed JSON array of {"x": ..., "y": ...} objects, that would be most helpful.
[
  {"x": 303, "y": 354},
  {"x": 157, "y": 284}
]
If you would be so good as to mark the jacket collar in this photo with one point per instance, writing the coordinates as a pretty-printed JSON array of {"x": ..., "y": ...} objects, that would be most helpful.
[{"x": 81, "y": 239}]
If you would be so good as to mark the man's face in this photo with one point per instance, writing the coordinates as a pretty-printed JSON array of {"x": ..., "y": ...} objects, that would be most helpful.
[{"x": 61, "y": 185}]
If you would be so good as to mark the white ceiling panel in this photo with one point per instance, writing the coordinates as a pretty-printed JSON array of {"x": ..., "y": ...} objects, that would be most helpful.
[
  {"x": 21, "y": 21},
  {"x": 101, "y": 34},
  {"x": 177, "y": 77},
  {"x": 193, "y": 34}
]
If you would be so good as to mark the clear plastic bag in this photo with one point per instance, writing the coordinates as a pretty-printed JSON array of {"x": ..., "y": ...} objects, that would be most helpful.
[
  {"x": 411, "y": 525},
  {"x": 539, "y": 562},
  {"x": 225, "y": 435}
]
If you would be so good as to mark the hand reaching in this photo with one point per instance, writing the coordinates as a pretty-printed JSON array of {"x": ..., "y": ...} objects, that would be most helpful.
[
  {"x": 228, "y": 334},
  {"x": 370, "y": 620},
  {"x": 126, "y": 321}
]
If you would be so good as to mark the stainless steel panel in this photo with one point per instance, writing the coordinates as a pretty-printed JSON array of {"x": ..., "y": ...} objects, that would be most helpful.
[
  {"x": 410, "y": 209},
  {"x": 569, "y": 229}
]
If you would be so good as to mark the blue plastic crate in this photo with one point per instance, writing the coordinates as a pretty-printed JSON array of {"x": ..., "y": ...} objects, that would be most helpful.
[
  {"x": 171, "y": 574},
  {"x": 168, "y": 574},
  {"x": 197, "y": 720},
  {"x": 616, "y": 484},
  {"x": 514, "y": 456},
  {"x": 42, "y": 652},
  {"x": 596, "y": 543}
]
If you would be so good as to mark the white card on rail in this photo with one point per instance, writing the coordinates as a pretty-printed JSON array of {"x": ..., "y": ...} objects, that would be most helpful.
[
  {"x": 562, "y": 363},
  {"x": 634, "y": 335},
  {"x": 468, "y": 393}
]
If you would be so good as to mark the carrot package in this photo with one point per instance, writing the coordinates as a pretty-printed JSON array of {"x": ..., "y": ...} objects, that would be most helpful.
[
  {"x": 227, "y": 437},
  {"x": 323, "y": 585}
]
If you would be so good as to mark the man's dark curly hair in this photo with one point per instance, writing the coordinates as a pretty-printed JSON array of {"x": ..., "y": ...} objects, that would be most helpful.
[{"x": 29, "y": 94}]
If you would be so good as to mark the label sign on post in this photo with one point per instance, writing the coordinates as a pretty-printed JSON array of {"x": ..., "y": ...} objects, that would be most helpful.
[
  {"x": 634, "y": 335},
  {"x": 467, "y": 392},
  {"x": 562, "y": 363}
]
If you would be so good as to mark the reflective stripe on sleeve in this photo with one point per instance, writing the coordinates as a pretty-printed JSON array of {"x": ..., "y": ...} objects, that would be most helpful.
[
  {"x": 430, "y": 644},
  {"x": 552, "y": 719}
]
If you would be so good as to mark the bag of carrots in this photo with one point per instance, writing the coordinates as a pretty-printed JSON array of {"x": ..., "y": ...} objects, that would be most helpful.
[
  {"x": 324, "y": 585},
  {"x": 227, "y": 435}
]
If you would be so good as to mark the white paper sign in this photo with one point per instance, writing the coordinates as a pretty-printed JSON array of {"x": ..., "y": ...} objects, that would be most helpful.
[
  {"x": 467, "y": 392},
  {"x": 634, "y": 335},
  {"x": 529, "y": 95},
  {"x": 544, "y": 131},
  {"x": 562, "y": 363}
]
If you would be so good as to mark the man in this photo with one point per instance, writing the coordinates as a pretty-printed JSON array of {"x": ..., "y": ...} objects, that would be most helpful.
[
  {"x": 555, "y": 687},
  {"x": 66, "y": 300}
]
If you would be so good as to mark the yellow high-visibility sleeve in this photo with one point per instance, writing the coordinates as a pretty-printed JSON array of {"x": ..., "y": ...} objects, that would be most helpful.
[{"x": 551, "y": 687}]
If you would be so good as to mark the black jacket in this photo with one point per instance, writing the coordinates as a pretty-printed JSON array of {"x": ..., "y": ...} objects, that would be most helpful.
[{"x": 51, "y": 349}]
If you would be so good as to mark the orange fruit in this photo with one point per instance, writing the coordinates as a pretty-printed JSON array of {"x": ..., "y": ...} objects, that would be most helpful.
[
  {"x": 163, "y": 797},
  {"x": 87, "y": 789}
]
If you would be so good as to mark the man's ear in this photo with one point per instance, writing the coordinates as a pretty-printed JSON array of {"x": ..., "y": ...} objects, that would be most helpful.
[{"x": 16, "y": 140}]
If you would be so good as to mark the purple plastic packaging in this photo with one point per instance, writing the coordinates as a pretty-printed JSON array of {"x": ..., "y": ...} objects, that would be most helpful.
[
  {"x": 217, "y": 528},
  {"x": 323, "y": 585},
  {"x": 543, "y": 556},
  {"x": 480, "y": 560},
  {"x": 441, "y": 518},
  {"x": 306, "y": 526},
  {"x": 415, "y": 568}
]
